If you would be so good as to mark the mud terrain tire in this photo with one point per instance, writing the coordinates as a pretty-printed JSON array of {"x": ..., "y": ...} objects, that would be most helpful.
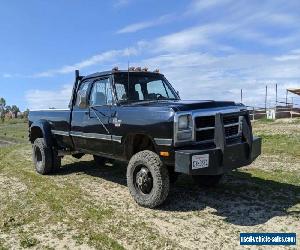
[
  {"x": 42, "y": 157},
  {"x": 56, "y": 165},
  {"x": 147, "y": 179}
]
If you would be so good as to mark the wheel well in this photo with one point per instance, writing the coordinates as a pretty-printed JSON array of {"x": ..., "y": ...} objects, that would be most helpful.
[
  {"x": 35, "y": 132},
  {"x": 136, "y": 143}
]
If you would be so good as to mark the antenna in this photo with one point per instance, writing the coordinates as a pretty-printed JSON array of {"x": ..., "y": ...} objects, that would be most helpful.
[
  {"x": 128, "y": 80},
  {"x": 241, "y": 95}
]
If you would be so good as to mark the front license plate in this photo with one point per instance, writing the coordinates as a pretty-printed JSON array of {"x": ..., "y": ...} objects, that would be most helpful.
[{"x": 200, "y": 161}]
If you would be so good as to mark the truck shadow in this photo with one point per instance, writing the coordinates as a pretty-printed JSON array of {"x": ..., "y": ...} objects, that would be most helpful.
[{"x": 240, "y": 199}]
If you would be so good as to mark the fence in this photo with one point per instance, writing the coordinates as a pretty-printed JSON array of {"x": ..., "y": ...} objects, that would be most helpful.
[{"x": 277, "y": 112}]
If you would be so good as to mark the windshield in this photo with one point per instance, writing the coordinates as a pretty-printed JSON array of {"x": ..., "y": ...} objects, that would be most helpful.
[{"x": 142, "y": 87}]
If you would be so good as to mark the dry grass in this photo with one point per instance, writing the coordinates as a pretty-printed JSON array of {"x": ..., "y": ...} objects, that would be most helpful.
[{"x": 89, "y": 207}]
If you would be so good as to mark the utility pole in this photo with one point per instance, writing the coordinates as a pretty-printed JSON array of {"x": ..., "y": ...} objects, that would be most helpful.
[
  {"x": 276, "y": 95},
  {"x": 276, "y": 101},
  {"x": 292, "y": 108},
  {"x": 286, "y": 97},
  {"x": 266, "y": 99}
]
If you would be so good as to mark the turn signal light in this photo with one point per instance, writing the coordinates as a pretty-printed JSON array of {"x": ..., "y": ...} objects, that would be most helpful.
[{"x": 164, "y": 153}]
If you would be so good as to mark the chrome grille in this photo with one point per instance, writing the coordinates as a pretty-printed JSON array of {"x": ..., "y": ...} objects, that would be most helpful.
[
  {"x": 204, "y": 121},
  {"x": 230, "y": 119},
  {"x": 205, "y": 135},
  {"x": 205, "y": 127},
  {"x": 231, "y": 131}
]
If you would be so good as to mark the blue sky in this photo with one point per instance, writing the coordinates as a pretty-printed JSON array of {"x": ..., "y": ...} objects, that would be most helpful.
[{"x": 207, "y": 49}]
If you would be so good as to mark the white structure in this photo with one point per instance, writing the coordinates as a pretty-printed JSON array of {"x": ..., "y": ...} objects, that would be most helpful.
[{"x": 271, "y": 114}]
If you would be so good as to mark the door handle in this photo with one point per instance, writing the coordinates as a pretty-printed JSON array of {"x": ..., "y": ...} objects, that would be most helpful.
[
  {"x": 88, "y": 112},
  {"x": 116, "y": 122}
]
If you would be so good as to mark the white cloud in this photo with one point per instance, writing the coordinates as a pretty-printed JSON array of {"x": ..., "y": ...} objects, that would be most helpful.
[
  {"x": 252, "y": 22},
  {"x": 281, "y": 19},
  {"x": 44, "y": 99},
  {"x": 293, "y": 55},
  {"x": 202, "y": 5},
  {"x": 146, "y": 24},
  {"x": 121, "y": 3},
  {"x": 7, "y": 75},
  {"x": 205, "y": 76},
  {"x": 136, "y": 27},
  {"x": 216, "y": 59},
  {"x": 191, "y": 37},
  {"x": 94, "y": 60}
]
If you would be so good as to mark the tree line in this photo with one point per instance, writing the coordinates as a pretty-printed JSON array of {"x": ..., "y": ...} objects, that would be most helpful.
[{"x": 11, "y": 111}]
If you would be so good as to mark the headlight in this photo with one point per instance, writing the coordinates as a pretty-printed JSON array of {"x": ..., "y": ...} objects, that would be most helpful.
[
  {"x": 184, "y": 122},
  {"x": 183, "y": 129}
]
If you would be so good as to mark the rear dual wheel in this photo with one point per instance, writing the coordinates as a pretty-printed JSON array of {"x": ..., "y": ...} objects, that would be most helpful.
[{"x": 45, "y": 159}]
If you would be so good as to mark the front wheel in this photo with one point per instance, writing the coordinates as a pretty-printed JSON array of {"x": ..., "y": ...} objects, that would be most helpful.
[
  {"x": 147, "y": 179},
  {"x": 207, "y": 180}
]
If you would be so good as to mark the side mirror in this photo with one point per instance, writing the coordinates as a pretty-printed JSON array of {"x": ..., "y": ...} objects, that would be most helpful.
[{"x": 82, "y": 99}]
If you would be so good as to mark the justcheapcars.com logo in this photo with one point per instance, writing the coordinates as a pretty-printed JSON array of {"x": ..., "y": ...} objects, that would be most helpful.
[{"x": 267, "y": 238}]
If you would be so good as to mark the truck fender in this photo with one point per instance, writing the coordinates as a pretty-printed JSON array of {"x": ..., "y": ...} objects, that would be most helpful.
[
  {"x": 45, "y": 128},
  {"x": 129, "y": 146}
]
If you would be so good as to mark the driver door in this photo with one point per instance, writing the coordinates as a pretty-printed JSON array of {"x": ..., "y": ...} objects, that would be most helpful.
[
  {"x": 91, "y": 125},
  {"x": 99, "y": 120}
]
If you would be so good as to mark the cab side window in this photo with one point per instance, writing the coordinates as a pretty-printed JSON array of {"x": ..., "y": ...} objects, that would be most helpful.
[
  {"x": 101, "y": 93},
  {"x": 82, "y": 89}
]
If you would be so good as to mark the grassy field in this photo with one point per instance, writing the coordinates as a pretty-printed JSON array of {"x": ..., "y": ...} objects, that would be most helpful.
[{"x": 89, "y": 207}]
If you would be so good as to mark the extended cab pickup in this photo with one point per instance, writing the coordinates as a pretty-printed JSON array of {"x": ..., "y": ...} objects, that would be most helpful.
[{"x": 136, "y": 116}]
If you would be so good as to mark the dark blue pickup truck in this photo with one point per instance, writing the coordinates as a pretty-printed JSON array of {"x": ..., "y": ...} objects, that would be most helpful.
[{"x": 136, "y": 116}]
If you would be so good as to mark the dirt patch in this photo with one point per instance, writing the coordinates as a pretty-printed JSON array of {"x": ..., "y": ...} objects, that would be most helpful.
[
  {"x": 278, "y": 127},
  {"x": 5, "y": 143},
  {"x": 276, "y": 163},
  {"x": 192, "y": 218},
  {"x": 10, "y": 187},
  {"x": 57, "y": 236}
]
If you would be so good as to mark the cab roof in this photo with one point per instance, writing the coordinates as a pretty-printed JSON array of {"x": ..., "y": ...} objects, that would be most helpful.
[{"x": 111, "y": 72}]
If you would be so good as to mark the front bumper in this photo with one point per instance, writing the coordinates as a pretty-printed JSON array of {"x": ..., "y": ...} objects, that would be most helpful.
[
  {"x": 223, "y": 157},
  {"x": 234, "y": 156}
]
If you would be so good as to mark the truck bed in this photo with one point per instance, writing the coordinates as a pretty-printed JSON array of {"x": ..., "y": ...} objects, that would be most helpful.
[{"x": 59, "y": 121}]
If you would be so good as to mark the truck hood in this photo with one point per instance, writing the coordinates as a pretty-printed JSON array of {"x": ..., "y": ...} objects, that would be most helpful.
[{"x": 184, "y": 105}]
